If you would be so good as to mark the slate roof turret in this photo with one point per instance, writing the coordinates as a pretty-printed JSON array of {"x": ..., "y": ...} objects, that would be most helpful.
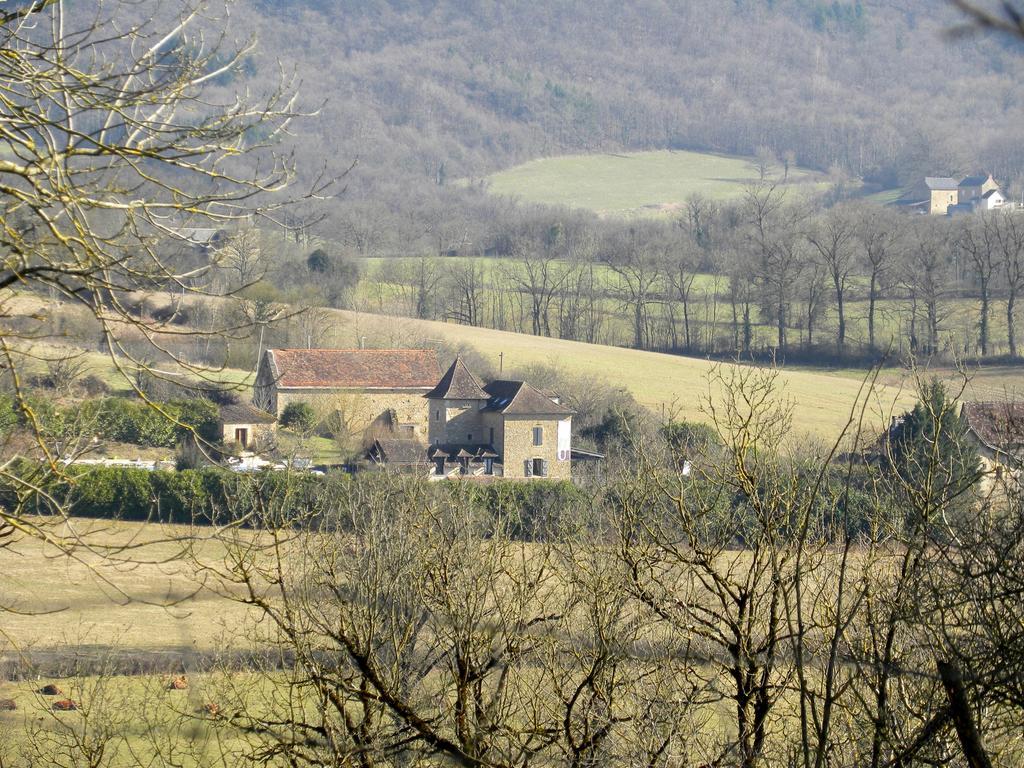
[{"x": 458, "y": 383}]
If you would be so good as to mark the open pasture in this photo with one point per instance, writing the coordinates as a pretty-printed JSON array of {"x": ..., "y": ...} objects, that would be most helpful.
[
  {"x": 676, "y": 385},
  {"x": 641, "y": 183}
]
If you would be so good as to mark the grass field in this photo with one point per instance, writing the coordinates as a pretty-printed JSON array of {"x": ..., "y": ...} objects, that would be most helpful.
[
  {"x": 679, "y": 385},
  {"x": 645, "y": 183},
  {"x": 154, "y": 601}
]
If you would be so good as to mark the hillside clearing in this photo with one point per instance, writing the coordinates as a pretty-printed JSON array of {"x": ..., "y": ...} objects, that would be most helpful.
[{"x": 642, "y": 183}]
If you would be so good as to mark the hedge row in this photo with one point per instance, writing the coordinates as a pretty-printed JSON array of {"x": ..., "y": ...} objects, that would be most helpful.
[
  {"x": 210, "y": 493},
  {"x": 117, "y": 418}
]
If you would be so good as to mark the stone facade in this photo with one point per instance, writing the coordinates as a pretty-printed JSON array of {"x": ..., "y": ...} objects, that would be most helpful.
[
  {"x": 247, "y": 435},
  {"x": 359, "y": 409},
  {"x": 941, "y": 199},
  {"x": 518, "y": 448},
  {"x": 456, "y": 422},
  {"x": 527, "y": 433},
  {"x": 362, "y": 387}
]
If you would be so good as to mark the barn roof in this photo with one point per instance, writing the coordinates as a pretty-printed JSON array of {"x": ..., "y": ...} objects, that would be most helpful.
[
  {"x": 353, "y": 368},
  {"x": 974, "y": 181},
  {"x": 400, "y": 450},
  {"x": 941, "y": 183}
]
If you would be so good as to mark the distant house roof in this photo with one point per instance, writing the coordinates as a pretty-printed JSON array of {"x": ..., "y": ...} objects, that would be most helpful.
[
  {"x": 941, "y": 183},
  {"x": 517, "y": 398},
  {"x": 398, "y": 450},
  {"x": 974, "y": 181},
  {"x": 353, "y": 368},
  {"x": 992, "y": 193},
  {"x": 458, "y": 383},
  {"x": 999, "y": 425},
  {"x": 198, "y": 235},
  {"x": 243, "y": 413}
]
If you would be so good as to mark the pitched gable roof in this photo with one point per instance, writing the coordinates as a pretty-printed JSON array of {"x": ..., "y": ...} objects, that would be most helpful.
[
  {"x": 999, "y": 425},
  {"x": 243, "y": 413},
  {"x": 353, "y": 368},
  {"x": 992, "y": 193},
  {"x": 943, "y": 183},
  {"x": 975, "y": 181},
  {"x": 399, "y": 450},
  {"x": 517, "y": 398},
  {"x": 458, "y": 383}
]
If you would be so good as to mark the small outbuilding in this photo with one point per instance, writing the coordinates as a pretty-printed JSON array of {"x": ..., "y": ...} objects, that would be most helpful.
[{"x": 246, "y": 426}]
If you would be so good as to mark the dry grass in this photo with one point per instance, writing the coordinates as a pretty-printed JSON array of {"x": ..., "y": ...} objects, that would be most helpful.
[
  {"x": 144, "y": 597},
  {"x": 679, "y": 385}
]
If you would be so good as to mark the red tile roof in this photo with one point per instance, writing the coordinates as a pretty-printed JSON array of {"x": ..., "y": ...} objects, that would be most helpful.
[
  {"x": 998, "y": 424},
  {"x": 354, "y": 368}
]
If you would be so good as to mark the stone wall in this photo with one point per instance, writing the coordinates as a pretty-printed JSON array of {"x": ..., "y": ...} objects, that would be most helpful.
[
  {"x": 360, "y": 408},
  {"x": 260, "y": 435},
  {"x": 518, "y": 447},
  {"x": 942, "y": 199}
]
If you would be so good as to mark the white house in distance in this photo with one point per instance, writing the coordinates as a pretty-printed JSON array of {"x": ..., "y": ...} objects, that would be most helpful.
[{"x": 946, "y": 196}]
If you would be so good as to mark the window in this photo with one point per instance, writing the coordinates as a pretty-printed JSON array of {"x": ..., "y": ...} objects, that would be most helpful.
[
  {"x": 242, "y": 436},
  {"x": 491, "y": 439},
  {"x": 540, "y": 468},
  {"x": 538, "y": 435},
  {"x": 469, "y": 437},
  {"x": 437, "y": 415}
]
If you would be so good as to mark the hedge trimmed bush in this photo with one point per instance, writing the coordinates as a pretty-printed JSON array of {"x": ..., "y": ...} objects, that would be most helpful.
[{"x": 298, "y": 416}]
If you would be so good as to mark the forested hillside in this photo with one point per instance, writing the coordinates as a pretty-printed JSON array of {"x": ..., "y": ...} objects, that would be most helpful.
[{"x": 423, "y": 93}]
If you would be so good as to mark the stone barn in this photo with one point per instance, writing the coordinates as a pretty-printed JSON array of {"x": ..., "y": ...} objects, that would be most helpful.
[{"x": 358, "y": 386}]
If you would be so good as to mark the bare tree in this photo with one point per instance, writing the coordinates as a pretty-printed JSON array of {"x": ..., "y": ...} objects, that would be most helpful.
[
  {"x": 114, "y": 143},
  {"x": 1008, "y": 233},
  {"x": 975, "y": 239},
  {"x": 242, "y": 255},
  {"x": 638, "y": 268},
  {"x": 774, "y": 235},
  {"x": 832, "y": 238},
  {"x": 925, "y": 272},
  {"x": 878, "y": 236}
]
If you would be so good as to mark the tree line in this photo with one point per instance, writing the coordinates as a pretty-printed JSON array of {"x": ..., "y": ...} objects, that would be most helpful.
[{"x": 767, "y": 275}]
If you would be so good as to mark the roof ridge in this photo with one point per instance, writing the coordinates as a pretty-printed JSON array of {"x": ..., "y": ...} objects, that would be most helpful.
[{"x": 458, "y": 383}]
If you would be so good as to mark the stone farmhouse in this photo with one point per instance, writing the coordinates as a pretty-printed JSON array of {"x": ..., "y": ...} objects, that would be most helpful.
[
  {"x": 944, "y": 195},
  {"x": 365, "y": 386},
  {"x": 943, "y": 192},
  {"x": 997, "y": 431},
  {"x": 505, "y": 428}
]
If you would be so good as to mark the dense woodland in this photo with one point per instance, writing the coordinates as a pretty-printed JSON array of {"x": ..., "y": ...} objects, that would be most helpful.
[{"x": 422, "y": 95}]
